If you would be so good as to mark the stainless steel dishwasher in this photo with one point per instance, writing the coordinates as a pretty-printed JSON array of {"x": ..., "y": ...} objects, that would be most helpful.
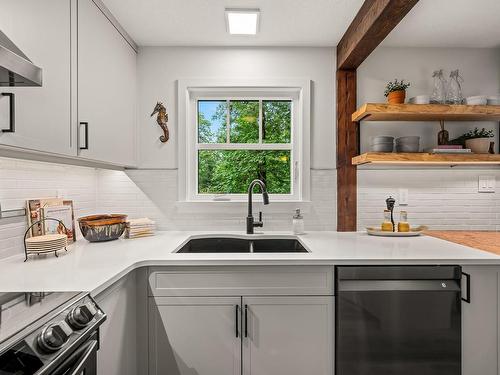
[{"x": 398, "y": 320}]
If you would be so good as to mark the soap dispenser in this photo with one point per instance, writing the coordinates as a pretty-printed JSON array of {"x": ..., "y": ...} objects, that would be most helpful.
[{"x": 298, "y": 222}]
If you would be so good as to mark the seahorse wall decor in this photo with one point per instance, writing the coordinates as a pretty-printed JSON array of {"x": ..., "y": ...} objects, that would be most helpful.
[{"x": 162, "y": 119}]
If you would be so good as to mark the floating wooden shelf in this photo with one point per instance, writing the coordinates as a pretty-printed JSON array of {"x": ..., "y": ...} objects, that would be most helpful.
[
  {"x": 425, "y": 159},
  {"x": 426, "y": 112}
]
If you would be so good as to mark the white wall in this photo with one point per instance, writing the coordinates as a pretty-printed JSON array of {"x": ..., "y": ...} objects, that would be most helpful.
[
  {"x": 160, "y": 68},
  {"x": 444, "y": 198}
]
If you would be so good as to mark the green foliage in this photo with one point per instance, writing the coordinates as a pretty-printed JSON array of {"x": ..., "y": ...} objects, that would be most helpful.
[
  {"x": 231, "y": 171},
  {"x": 396, "y": 86},
  {"x": 244, "y": 121},
  {"x": 476, "y": 133},
  {"x": 276, "y": 118}
]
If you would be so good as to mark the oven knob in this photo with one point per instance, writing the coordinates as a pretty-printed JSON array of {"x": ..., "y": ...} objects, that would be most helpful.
[
  {"x": 81, "y": 316},
  {"x": 53, "y": 337}
]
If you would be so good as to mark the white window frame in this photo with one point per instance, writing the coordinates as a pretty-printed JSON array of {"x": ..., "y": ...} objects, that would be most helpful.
[{"x": 192, "y": 90}]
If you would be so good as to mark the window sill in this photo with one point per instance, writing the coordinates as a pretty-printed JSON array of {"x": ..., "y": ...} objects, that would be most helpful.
[{"x": 241, "y": 206}]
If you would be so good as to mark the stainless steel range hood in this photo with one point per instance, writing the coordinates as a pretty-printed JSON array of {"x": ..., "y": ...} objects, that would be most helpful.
[{"x": 15, "y": 67}]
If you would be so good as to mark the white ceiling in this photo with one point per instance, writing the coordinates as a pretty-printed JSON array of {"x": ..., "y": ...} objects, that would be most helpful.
[
  {"x": 449, "y": 23},
  {"x": 202, "y": 22}
]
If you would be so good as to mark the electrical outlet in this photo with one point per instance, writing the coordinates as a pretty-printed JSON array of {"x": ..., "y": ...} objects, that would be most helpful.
[
  {"x": 60, "y": 193},
  {"x": 403, "y": 197},
  {"x": 486, "y": 184}
]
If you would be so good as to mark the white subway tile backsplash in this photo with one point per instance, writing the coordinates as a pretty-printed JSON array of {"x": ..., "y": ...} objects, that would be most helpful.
[{"x": 441, "y": 199}]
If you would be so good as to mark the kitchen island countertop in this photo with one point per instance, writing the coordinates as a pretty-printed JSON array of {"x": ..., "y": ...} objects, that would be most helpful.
[{"x": 93, "y": 267}]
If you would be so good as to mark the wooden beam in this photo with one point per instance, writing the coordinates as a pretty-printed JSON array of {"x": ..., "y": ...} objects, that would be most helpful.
[
  {"x": 347, "y": 148},
  {"x": 374, "y": 21}
]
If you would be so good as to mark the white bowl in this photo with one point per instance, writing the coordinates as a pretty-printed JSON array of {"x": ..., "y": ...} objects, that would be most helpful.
[
  {"x": 476, "y": 100},
  {"x": 420, "y": 99},
  {"x": 493, "y": 100}
]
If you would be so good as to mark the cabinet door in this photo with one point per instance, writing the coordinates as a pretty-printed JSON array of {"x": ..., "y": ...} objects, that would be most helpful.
[
  {"x": 480, "y": 322},
  {"x": 118, "y": 347},
  {"x": 41, "y": 29},
  {"x": 287, "y": 335},
  {"x": 194, "y": 335},
  {"x": 106, "y": 89}
]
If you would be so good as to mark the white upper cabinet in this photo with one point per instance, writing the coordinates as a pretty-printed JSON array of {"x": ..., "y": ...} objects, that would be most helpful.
[
  {"x": 106, "y": 89},
  {"x": 41, "y": 29}
]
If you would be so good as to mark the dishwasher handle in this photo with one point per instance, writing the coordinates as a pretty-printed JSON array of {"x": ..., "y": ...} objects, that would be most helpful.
[
  {"x": 398, "y": 285},
  {"x": 467, "y": 286}
]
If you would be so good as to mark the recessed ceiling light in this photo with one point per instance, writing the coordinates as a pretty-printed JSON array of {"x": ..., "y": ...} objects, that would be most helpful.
[{"x": 242, "y": 21}]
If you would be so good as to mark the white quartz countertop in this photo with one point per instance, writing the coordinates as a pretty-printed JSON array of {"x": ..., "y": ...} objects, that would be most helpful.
[{"x": 94, "y": 266}]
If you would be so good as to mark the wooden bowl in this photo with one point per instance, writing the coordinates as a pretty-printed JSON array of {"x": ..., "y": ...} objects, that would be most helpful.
[{"x": 98, "y": 228}]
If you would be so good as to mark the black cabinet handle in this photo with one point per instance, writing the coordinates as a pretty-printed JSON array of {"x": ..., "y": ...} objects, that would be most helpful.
[
  {"x": 12, "y": 106},
  {"x": 236, "y": 308},
  {"x": 246, "y": 320},
  {"x": 467, "y": 283},
  {"x": 86, "y": 147}
]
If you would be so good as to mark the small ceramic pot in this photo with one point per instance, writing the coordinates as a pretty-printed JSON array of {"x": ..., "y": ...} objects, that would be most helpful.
[
  {"x": 478, "y": 145},
  {"x": 396, "y": 97}
]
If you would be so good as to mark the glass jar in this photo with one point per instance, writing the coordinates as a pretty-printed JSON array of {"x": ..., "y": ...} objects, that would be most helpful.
[
  {"x": 387, "y": 223},
  {"x": 438, "y": 95},
  {"x": 403, "y": 225},
  {"x": 454, "y": 94}
]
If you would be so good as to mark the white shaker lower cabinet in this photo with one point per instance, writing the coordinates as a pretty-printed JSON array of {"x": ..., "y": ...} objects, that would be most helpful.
[
  {"x": 106, "y": 89},
  {"x": 42, "y": 115},
  {"x": 480, "y": 322},
  {"x": 241, "y": 320},
  {"x": 194, "y": 335},
  {"x": 288, "y": 335}
]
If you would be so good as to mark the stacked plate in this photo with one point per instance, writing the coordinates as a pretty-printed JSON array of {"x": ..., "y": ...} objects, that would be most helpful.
[
  {"x": 46, "y": 243},
  {"x": 382, "y": 143},
  {"x": 408, "y": 144}
]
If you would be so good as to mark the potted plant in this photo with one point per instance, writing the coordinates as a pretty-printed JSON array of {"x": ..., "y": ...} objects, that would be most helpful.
[
  {"x": 478, "y": 140},
  {"x": 395, "y": 92}
]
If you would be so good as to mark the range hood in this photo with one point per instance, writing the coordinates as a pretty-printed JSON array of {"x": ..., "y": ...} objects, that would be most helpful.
[{"x": 15, "y": 67}]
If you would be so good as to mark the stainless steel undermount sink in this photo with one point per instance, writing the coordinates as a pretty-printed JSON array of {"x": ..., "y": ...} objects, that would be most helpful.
[{"x": 243, "y": 245}]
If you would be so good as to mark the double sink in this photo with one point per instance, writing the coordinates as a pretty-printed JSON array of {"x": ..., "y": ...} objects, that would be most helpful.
[{"x": 242, "y": 245}]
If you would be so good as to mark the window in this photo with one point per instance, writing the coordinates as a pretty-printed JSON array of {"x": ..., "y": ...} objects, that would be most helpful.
[{"x": 236, "y": 135}]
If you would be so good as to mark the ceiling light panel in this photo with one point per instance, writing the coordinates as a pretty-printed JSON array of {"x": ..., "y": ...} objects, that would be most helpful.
[{"x": 242, "y": 21}]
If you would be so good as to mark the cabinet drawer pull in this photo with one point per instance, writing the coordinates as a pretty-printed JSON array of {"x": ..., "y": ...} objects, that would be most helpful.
[
  {"x": 236, "y": 308},
  {"x": 246, "y": 320},
  {"x": 467, "y": 284},
  {"x": 12, "y": 115},
  {"x": 86, "y": 146}
]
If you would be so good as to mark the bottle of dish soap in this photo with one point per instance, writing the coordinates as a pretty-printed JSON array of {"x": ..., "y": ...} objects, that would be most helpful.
[{"x": 298, "y": 222}]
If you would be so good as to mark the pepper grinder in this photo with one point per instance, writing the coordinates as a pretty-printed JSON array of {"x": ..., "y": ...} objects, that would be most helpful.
[{"x": 390, "y": 206}]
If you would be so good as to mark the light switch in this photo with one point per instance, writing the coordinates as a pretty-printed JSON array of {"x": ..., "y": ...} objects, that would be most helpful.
[
  {"x": 486, "y": 184},
  {"x": 403, "y": 197}
]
